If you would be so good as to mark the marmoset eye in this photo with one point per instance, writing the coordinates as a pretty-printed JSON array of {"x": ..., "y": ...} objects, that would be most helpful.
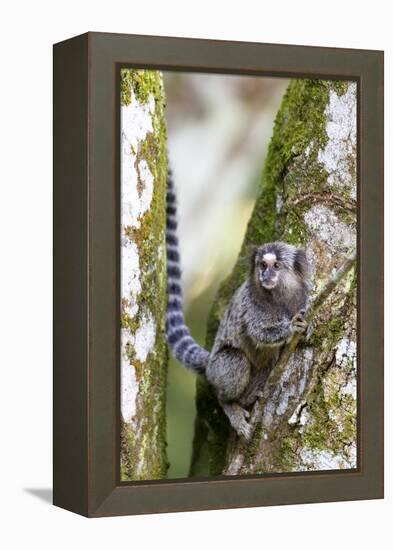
[{"x": 276, "y": 265}]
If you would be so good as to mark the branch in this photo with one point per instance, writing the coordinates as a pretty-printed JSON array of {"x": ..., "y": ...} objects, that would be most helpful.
[{"x": 276, "y": 373}]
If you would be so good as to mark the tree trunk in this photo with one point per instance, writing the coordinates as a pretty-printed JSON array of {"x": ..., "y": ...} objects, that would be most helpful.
[
  {"x": 307, "y": 419},
  {"x": 143, "y": 276}
]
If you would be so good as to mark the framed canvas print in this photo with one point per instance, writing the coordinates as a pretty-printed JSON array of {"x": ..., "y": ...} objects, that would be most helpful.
[{"x": 218, "y": 274}]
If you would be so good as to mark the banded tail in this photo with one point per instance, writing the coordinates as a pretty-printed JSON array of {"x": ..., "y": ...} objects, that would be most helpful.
[{"x": 182, "y": 345}]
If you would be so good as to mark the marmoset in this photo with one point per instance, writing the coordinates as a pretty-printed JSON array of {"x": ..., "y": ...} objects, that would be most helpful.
[{"x": 263, "y": 314}]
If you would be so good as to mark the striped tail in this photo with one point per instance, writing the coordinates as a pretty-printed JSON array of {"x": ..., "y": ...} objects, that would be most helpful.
[{"x": 182, "y": 345}]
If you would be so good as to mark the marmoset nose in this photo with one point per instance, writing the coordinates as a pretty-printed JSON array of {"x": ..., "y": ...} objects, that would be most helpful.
[{"x": 269, "y": 274}]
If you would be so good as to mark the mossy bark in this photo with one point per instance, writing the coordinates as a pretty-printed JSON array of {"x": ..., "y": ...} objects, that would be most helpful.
[
  {"x": 143, "y": 273},
  {"x": 308, "y": 198}
]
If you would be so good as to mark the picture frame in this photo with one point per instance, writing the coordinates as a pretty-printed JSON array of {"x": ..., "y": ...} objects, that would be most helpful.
[{"x": 86, "y": 273}]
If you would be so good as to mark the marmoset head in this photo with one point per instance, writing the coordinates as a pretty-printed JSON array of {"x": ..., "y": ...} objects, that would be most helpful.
[{"x": 279, "y": 266}]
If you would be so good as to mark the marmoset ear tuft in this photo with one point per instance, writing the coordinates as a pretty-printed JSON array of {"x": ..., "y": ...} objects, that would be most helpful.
[
  {"x": 251, "y": 254},
  {"x": 300, "y": 263}
]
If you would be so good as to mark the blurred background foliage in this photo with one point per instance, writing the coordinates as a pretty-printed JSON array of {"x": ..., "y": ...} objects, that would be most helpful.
[{"x": 219, "y": 128}]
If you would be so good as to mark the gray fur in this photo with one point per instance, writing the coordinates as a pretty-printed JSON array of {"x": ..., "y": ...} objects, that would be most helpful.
[{"x": 263, "y": 314}]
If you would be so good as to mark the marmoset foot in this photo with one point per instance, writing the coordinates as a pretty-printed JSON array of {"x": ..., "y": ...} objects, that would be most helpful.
[{"x": 238, "y": 418}]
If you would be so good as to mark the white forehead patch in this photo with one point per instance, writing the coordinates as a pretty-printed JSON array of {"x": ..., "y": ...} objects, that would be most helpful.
[{"x": 269, "y": 257}]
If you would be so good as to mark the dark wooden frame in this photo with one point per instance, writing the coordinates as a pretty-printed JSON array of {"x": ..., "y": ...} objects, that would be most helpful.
[{"x": 86, "y": 265}]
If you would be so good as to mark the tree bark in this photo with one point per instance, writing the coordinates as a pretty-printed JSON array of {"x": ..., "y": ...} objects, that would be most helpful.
[
  {"x": 306, "y": 419},
  {"x": 143, "y": 276}
]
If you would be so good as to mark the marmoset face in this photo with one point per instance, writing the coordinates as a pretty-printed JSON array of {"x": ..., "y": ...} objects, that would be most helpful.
[
  {"x": 274, "y": 265},
  {"x": 280, "y": 265},
  {"x": 268, "y": 270}
]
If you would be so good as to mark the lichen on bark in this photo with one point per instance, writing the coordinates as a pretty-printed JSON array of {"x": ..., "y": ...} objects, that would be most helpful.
[
  {"x": 308, "y": 198},
  {"x": 143, "y": 275}
]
